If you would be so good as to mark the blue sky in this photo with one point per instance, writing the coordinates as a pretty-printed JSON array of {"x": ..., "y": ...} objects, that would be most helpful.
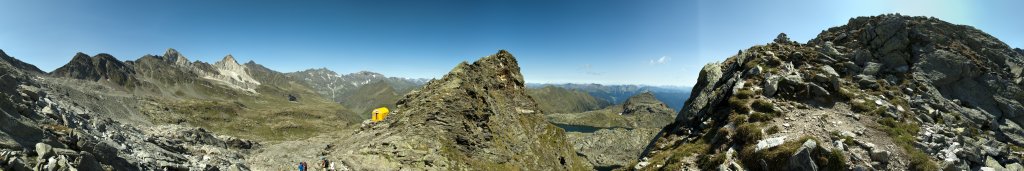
[{"x": 578, "y": 41}]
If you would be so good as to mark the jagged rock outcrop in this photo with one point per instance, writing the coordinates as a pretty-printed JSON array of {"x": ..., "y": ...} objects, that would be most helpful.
[
  {"x": 644, "y": 103},
  {"x": 174, "y": 57},
  {"x": 232, "y": 74},
  {"x": 887, "y": 92},
  {"x": 476, "y": 116},
  {"x": 102, "y": 67}
]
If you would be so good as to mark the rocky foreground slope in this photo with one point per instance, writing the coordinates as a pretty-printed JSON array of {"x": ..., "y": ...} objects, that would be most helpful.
[
  {"x": 153, "y": 113},
  {"x": 43, "y": 128},
  {"x": 886, "y": 92},
  {"x": 477, "y": 116}
]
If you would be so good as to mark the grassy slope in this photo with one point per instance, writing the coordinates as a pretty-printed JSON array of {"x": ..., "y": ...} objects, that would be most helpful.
[
  {"x": 371, "y": 96},
  {"x": 267, "y": 115},
  {"x": 551, "y": 99}
]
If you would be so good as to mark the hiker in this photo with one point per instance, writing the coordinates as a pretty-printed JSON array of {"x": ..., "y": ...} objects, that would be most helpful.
[
  {"x": 323, "y": 163},
  {"x": 302, "y": 166},
  {"x": 331, "y": 167}
]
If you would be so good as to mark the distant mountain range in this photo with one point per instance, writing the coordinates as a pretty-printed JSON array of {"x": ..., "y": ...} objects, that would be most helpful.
[
  {"x": 673, "y": 96},
  {"x": 361, "y": 91}
]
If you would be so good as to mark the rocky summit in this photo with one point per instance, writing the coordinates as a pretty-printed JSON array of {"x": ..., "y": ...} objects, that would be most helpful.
[
  {"x": 101, "y": 67},
  {"x": 476, "y": 116},
  {"x": 887, "y": 92}
]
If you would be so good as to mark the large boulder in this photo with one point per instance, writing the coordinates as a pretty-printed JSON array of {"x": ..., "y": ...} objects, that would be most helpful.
[
  {"x": 86, "y": 161},
  {"x": 1011, "y": 131},
  {"x": 644, "y": 103},
  {"x": 43, "y": 151},
  {"x": 802, "y": 159}
]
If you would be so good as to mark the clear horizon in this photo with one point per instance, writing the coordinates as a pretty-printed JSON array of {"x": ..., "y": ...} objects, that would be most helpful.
[{"x": 658, "y": 43}]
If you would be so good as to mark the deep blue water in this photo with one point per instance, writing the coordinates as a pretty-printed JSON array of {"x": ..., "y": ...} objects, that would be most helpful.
[{"x": 578, "y": 128}]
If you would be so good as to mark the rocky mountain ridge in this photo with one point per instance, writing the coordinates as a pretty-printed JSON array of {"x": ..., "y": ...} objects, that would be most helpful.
[
  {"x": 153, "y": 113},
  {"x": 233, "y": 74},
  {"x": 887, "y": 92},
  {"x": 476, "y": 116},
  {"x": 101, "y": 67},
  {"x": 42, "y": 128},
  {"x": 361, "y": 91}
]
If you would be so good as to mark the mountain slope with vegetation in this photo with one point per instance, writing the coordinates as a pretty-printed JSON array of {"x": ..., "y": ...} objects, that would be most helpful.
[
  {"x": 551, "y": 99},
  {"x": 674, "y": 97},
  {"x": 361, "y": 91},
  {"x": 887, "y": 92}
]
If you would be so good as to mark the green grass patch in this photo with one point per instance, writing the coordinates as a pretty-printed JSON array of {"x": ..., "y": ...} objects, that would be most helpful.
[
  {"x": 739, "y": 105},
  {"x": 829, "y": 160},
  {"x": 710, "y": 161},
  {"x": 745, "y": 94},
  {"x": 748, "y": 133},
  {"x": 777, "y": 157},
  {"x": 738, "y": 118},
  {"x": 847, "y": 93},
  {"x": 760, "y": 117},
  {"x": 772, "y": 130},
  {"x": 903, "y": 134},
  {"x": 685, "y": 150},
  {"x": 864, "y": 106},
  {"x": 762, "y": 105}
]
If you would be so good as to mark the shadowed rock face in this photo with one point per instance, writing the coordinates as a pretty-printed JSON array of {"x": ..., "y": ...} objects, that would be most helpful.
[
  {"x": 477, "y": 116},
  {"x": 913, "y": 83},
  {"x": 97, "y": 68},
  {"x": 958, "y": 61}
]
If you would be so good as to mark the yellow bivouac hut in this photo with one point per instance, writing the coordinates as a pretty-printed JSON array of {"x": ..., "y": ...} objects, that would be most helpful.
[{"x": 379, "y": 114}]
